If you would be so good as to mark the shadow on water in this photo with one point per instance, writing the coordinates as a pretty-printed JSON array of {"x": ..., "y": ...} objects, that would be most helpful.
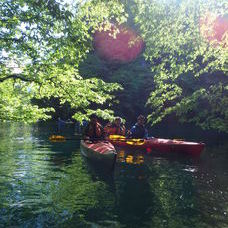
[
  {"x": 163, "y": 191},
  {"x": 131, "y": 180},
  {"x": 100, "y": 172},
  {"x": 212, "y": 186}
]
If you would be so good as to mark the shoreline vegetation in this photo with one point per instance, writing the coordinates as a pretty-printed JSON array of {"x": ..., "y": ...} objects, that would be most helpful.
[{"x": 166, "y": 60}]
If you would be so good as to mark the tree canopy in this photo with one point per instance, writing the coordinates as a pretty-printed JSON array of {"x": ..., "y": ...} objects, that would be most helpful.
[
  {"x": 188, "y": 56},
  {"x": 41, "y": 46},
  {"x": 44, "y": 43}
]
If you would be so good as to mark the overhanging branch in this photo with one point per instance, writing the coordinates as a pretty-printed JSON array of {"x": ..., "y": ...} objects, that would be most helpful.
[{"x": 17, "y": 76}]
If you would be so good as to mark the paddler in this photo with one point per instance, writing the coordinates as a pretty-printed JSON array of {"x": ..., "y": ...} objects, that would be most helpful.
[
  {"x": 138, "y": 131},
  {"x": 94, "y": 130},
  {"x": 115, "y": 128}
]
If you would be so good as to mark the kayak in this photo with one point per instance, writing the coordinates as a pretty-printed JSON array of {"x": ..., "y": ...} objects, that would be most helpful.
[
  {"x": 158, "y": 144},
  {"x": 101, "y": 151}
]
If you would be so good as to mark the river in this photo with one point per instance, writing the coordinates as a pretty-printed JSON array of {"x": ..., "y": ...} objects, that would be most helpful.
[{"x": 49, "y": 184}]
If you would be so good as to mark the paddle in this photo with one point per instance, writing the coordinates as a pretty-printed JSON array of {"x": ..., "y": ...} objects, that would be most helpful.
[
  {"x": 60, "y": 138},
  {"x": 116, "y": 138},
  {"x": 57, "y": 138},
  {"x": 130, "y": 141}
]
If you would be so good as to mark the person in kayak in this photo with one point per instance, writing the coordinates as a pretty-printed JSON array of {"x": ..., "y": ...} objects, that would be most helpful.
[
  {"x": 80, "y": 127},
  {"x": 138, "y": 131},
  {"x": 94, "y": 130},
  {"x": 61, "y": 124},
  {"x": 115, "y": 128}
]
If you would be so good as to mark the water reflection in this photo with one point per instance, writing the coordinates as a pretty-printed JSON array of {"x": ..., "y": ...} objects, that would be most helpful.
[
  {"x": 85, "y": 198},
  {"x": 130, "y": 157},
  {"x": 151, "y": 192},
  {"x": 212, "y": 188},
  {"x": 45, "y": 183},
  {"x": 133, "y": 194},
  {"x": 50, "y": 184}
]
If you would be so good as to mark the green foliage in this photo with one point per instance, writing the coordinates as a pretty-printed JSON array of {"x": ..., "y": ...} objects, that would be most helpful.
[
  {"x": 45, "y": 41},
  {"x": 15, "y": 103},
  {"x": 135, "y": 78},
  {"x": 176, "y": 48},
  {"x": 44, "y": 45},
  {"x": 137, "y": 81},
  {"x": 206, "y": 108}
]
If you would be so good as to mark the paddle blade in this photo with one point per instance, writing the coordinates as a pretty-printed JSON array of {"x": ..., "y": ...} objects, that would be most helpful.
[
  {"x": 117, "y": 137},
  {"x": 137, "y": 142},
  {"x": 128, "y": 141},
  {"x": 57, "y": 138}
]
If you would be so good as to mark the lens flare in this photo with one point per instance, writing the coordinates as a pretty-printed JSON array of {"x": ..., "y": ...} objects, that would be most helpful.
[
  {"x": 119, "y": 44},
  {"x": 214, "y": 28}
]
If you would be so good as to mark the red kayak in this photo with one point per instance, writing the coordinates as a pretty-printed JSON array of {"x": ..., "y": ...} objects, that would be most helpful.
[{"x": 157, "y": 144}]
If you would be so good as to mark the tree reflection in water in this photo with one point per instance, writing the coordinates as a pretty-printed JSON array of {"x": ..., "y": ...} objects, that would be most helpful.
[
  {"x": 151, "y": 193},
  {"x": 46, "y": 184},
  {"x": 131, "y": 188}
]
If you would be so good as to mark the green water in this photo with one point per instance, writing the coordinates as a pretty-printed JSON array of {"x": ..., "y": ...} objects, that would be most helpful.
[{"x": 44, "y": 184}]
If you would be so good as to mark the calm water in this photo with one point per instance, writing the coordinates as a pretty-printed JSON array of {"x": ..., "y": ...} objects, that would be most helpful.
[{"x": 44, "y": 184}]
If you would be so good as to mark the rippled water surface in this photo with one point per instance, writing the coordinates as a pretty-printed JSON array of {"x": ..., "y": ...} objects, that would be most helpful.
[{"x": 47, "y": 184}]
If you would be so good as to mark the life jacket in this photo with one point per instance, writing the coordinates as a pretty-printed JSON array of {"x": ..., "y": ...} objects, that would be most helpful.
[
  {"x": 138, "y": 131},
  {"x": 94, "y": 130},
  {"x": 112, "y": 129}
]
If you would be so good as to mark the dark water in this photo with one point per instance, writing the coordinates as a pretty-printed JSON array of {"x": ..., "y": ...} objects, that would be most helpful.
[{"x": 44, "y": 184}]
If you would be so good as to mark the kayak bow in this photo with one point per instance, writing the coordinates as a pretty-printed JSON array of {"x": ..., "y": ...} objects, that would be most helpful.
[{"x": 100, "y": 151}]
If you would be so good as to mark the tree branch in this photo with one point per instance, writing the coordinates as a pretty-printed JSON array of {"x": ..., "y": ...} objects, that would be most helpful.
[{"x": 17, "y": 76}]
